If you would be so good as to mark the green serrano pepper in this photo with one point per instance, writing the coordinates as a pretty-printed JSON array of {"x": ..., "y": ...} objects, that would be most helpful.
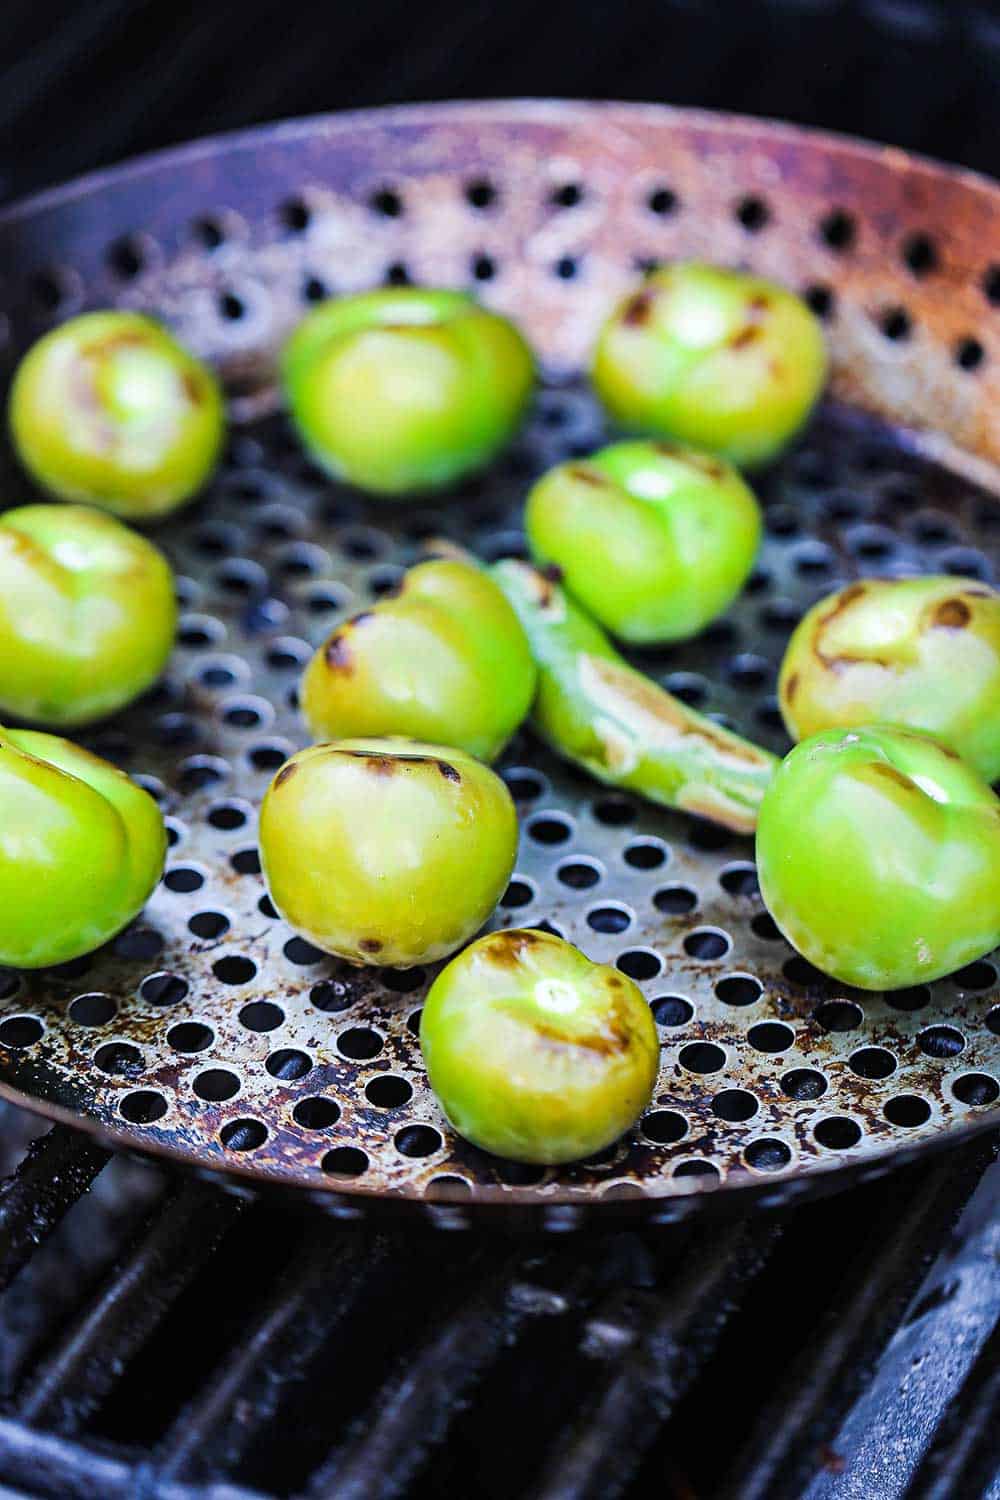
[{"x": 626, "y": 730}]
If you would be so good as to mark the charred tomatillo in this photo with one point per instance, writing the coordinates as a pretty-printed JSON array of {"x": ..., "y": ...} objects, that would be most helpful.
[
  {"x": 405, "y": 389},
  {"x": 81, "y": 848},
  {"x": 878, "y": 853},
  {"x": 923, "y": 652},
  {"x": 87, "y": 614},
  {"x": 387, "y": 851},
  {"x": 652, "y": 539},
  {"x": 722, "y": 360},
  {"x": 110, "y": 409},
  {"x": 444, "y": 660},
  {"x": 536, "y": 1053}
]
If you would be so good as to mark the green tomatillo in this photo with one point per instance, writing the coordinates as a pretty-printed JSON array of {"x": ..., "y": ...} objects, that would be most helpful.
[
  {"x": 386, "y": 851},
  {"x": 536, "y": 1053},
  {"x": 653, "y": 539},
  {"x": 109, "y": 408},
  {"x": 923, "y": 652},
  {"x": 719, "y": 359},
  {"x": 87, "y": 614},
  {"x": 444, "y": 660},
  {"x": 81, "y": 848},
  {"x": 405, "y": 389},
  {"x": 878, "y": 853}
]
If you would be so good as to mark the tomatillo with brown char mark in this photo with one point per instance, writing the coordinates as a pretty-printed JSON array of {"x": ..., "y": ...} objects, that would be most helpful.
[
  {"x": 445, "y": 659},
  {"x": 387, "y": 851},
  {"x": 719, "y": 359},
  {"x": 111, "y": 410},
  {"x": 653, "y": 539},
  {"x": 535, "y": 1052},
  {"x": 923, "y": 652}
]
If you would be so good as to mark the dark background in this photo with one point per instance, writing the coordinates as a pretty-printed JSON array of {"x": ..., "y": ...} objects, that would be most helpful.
[{"x": 87, "y": 82}]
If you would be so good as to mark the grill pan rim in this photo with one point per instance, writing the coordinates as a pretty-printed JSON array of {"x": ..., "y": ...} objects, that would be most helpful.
[
  {"x": 826, "y": 1177},
  {"x": 518, "y": 109}
]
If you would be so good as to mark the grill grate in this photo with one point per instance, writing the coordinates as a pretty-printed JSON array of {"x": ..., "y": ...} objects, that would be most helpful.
[{"x": 626, "y": 1335}]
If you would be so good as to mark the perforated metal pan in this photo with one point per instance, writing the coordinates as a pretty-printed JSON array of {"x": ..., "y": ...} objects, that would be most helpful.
[{"x": 208, "y": 1032}]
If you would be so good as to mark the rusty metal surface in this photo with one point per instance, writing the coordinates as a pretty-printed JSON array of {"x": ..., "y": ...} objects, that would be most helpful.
[{"x": 546, "y": 210}]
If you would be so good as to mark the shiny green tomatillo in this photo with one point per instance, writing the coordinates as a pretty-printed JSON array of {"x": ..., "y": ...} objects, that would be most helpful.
[
  {"x": 444, "y": 660},
  {"x": 405, "y": 389},
  {"x": 923, "y": 652},
  {"x": 878, "y": 852},
  {"x": 536, "y": 1053},
  {"x": 654, "y": 540},
  {"x": 87, "y": 614},
  {"x": 81, "y": 848},
  {"x": 109, "y": 409},
  {"x": 626, "y": 730},
  {"x": 387, "y": 851},
  {"x": 719, "y": 359}
]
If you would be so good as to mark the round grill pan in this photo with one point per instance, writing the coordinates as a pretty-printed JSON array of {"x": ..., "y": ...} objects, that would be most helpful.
[{"x": 208, "y": 1031}]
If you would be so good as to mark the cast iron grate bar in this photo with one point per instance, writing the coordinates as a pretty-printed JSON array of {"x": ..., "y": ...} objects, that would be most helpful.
[
  {"x": 317, "y": 1293},
  {"x": 56, "y": 1171},
  {"x": 962, "y": 1460},
  {"x": 411, "y": 1414},
  {"x": 57, "y": 1468},
  {"x": 671, "y": 1342},
  {"x": 93, "y": 1352},
  {"x": 806, "y": 1410}
]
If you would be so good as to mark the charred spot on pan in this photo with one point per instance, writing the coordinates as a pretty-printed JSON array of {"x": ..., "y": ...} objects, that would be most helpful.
[
  {"x": 285, "y": 773},
  {"x": 448, "y": 771},
  {"x": 370, "y": 945},
  {"x": 952, "y": 614},
  {"x": 638, "y": 310}
]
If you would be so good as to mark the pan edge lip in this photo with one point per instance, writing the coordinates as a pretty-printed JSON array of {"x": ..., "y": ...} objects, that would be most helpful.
[
  {"x": 744, "y": 1190},
  {"x": 527, "y": 109}
]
